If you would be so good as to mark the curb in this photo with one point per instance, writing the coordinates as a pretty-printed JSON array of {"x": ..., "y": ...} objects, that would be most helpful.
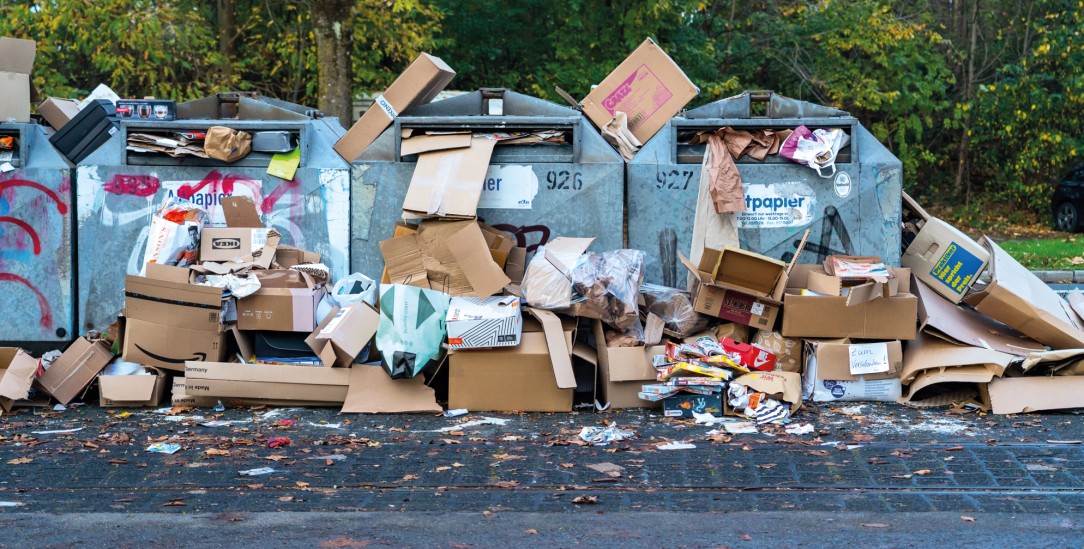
[{"x": 1062, "y": 277}]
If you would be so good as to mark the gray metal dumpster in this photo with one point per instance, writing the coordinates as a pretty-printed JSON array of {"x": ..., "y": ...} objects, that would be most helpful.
[
  {"x": 118, "y": 191},
  {"x": 855, "y": 212},
  {"x": 35, "y": 240},
  {"x": 580, "y": 184}
]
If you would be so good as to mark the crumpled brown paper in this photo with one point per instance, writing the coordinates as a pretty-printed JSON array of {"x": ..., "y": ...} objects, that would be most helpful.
[{"x": 227, "y": 144}]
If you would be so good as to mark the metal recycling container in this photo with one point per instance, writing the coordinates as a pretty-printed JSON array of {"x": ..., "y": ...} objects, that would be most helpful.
[
  {"x": 854, "y": 212},
  {"x": 119, "y": 190},
  {"x": 35, "y": 240},
  {"x": 534, "y": 192}
]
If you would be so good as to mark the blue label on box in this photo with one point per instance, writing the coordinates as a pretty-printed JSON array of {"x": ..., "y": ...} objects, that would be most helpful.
[{"x": 957, "y": 268}]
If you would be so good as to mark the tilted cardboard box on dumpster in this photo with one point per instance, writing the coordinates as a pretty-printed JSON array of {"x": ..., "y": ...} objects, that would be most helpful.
[
  {"x": 623, "y": 371},
  {"x": 57, "y": 112},
  {"x": 70, "y": 374},
  {"x": 939, "y": 254},
  {"x": 15, "y": 66}
]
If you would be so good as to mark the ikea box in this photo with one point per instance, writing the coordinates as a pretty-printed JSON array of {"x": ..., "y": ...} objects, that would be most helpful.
[{"x": 945, "y": 258}]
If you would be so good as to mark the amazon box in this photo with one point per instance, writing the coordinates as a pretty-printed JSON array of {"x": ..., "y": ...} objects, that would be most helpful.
[
  {"x": 142, "y": 388},
  {"x": 623, "y": 371},
  {"x": 286, "y": 302},
  {"x": 739, "y": 286},
  {"x": 418, "y": 84},
  {"x": 945, "y": 258},
  {"x": 169, "y": 322},
  {"x": 647, "y": 86},
  {"x": 327, "y": 386},
  {"x": 827, "y": 316},
  {"x": 535, "y": 376},
  {"x": 843, "y": 370},
  {"x": 16, "y": 63},
  {"x": 66, "y": 378}
]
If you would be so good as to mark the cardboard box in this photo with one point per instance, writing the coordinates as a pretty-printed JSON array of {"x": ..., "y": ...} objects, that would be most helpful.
[
  {"x": 1017, "y": 298},
  {"x": 788, "y": 351},
  {"x": 58, "y": 112},
  {"x": 66, "y": 378},
  {"x": 535, "y": 376},
  {"x": 418, "y": 84},
  {"x": 945, "y": 258},
  {"x": 372, "y": 391},
  {"x": 856, "y": 290},
  {"x": 15, "y": 66},
  {"x": 942, "y": 318},
  {"x": 622, "y": 371},
  {"x": 647, "y": 86},
  {"x": 484, "y": 323},
  {"x": 686, "y": 404},
  {"x": 230, "y": 244},
  {"x": 738, "y": 286},
  {"x": 180, "y": 397},
  {"x": 448, "y": 177},
  {"x": 286, "y": 302},
  {"x": 264, "y": 381},
  {"x": 17, "y": 372},
  {"x": 1018, "y": 395},
  {"x": 169, "y": 321},
  {"x": 831, "y": 366},
  {"x": 135, "y": 390},
  {"x": 344, "y": 334},
  {"x": 169, "y": 347},
  {"x": 809, "y": 316},
  {"x": 930, "y": 364},
  {"x": 452, "y": 257},
  {"x": 786, "y": 387}
]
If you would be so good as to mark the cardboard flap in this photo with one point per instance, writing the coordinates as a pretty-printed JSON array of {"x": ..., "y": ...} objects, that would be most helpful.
[
  {"x": 168, "y": 273},
  {"x": 132, "y": 388},
  {"x": 244, "y": 343},
  {"x": 560, "y": 354},
  {"x": 798, "y": 251},
  {"x": 403, "y": 261},
  {"x": 1076, "y": 301},
  {"x": 566, "y": 245},
  {"x": 912, "y": 204},
  {"x": 785, "y": 385},
  {"x": 449, "y": 182},
  {"x": 427, "y": 143},
  {"x": 17, "y": 373},
  {"x": 18, "y": 55},
  {"x": 585, "y": 352},
  {"x": 961, "y": 374},
  {"x": 471, "y": 252},
  {"x": 927, "y": 352},
  {"x": 371, "y": 391},
  {"x": 1034, "y": 393},
  {"x": 689, "y": 265},
  {"x": 939, "y": 316},
  {"x": 241, "y": 213}
]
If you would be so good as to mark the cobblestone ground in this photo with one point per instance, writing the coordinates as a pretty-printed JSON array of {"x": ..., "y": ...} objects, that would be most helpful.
[{"x": 861, "y": 457}]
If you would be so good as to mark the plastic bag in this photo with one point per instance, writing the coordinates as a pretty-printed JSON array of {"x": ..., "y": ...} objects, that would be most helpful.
[
  {"x": 601, "y": 286},
  {"x": 412, "y": 329},
  {"x": 675, "y": 308},
  {"x": 175, "y": 235},
  {"x": 814, "y": 148}
]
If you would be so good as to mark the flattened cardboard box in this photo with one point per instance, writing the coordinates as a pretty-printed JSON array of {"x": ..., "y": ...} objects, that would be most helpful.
[
  {"x": 17, "y": 371},
  {"x": 263, "y": 381},
  {"x": 535, "y": 376},
  {"x": 623, "y": 371},
  {"x": 941, "y": 318},
  {"x": 647, "y": 86},
  {"x": 66, "y": 378},
  {"x": 131, "y": 390},
  {"x": 182, "y": 398},
  {"x": 418, "y": 84},
  {"x": 946, "y": 259},
  {"x": 452, "y": 257},
  {"x": 371, "y": 391},
  {"x": 808, "y": 316},
  {"x": 448, "y": 176}
]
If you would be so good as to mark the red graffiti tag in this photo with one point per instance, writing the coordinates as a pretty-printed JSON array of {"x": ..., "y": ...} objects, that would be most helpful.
[
  {"x": 224, "y": 183},
  {"x": 43, "y": 303},
  {"x": 60, "y": 206},
  {"x": 26, "y": 227},
  {"x": 273, "y": 198},
  {"x": 135, "y": 185}
]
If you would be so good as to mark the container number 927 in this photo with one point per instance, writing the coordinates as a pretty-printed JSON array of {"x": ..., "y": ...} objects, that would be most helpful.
[
  {"x": 675, "y": 180},
  {"x": 564, "y": 180}
]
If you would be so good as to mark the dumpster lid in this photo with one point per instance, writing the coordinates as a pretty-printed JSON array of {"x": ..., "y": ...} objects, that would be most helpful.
[
  {"x": 18, "y": 55},
  {"x": 481, "y": 102},
  {"x": 778, "y": 106},
  {"x": 242, "y": 106}
]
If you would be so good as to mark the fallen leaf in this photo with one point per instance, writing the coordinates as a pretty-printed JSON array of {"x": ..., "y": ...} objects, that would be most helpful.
[
  {"x": 923, "y": 472},
  {"x": 457, "y": 464},
  {"x": 277, "y": 457},
  {"x": 746, "y": 537},
  {"x": 607, "y": 468},
  {"x": 901, "y": 476},
  {"x": 343, "y": 541},
  {"x": 91, "y": 445},
  {"x": 216, "y": 452},
  {"x": 20, "y": 461},
  {"x": 567, "y": 465},
  {"x": 588, "y": 500},
  {"x": 443, "y": 468},
  {"x": 118, "y": 461},
  {"x": 874, "y": 525},
  {"x": 506, "y": 483},
  {"x": 409, "y": 477},
  {"x": 487, "y": 513},
  {"x": 286, "y": 498},
  {"x": 174, "y": 503},
  {"x": 301, "y": 484},
  {"x": 532, "y": 531},
  {"x": 967, "y": 518}
]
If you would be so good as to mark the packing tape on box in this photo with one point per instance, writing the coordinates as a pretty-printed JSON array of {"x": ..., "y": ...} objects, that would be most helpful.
[{"x": 386, "y": 107}]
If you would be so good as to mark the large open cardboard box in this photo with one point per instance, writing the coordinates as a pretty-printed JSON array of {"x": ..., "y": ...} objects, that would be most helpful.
[
  {"x": 623, "y": 371},
  {"x": 169, "y": 321},
  {"x": 818, "y": 316},
  {"x": 829, "y": 378}
]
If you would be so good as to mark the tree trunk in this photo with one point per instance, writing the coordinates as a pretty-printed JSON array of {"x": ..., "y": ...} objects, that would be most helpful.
[
  {"x": 968, "y": 91},
  {"x": 227, "y": 30},
  {"x": 333, "y": 21}
]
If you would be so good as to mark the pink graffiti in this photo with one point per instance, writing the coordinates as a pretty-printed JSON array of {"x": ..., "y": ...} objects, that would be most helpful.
[
  {"x": 26, "y": 227},
  {"x": 43, "y": 303},
  {"x": 223, "y": 183},
  {"x": 269, "y": 203},
  {"x": 60, "y": 206},
  {"x": 135, "y": 185}
]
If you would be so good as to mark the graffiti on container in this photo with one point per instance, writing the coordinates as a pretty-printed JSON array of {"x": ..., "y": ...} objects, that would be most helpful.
[
  {"x": 135, "y": 185},
  {"x": 831, "y": 225},
  {"x": 526, "y": 234}
]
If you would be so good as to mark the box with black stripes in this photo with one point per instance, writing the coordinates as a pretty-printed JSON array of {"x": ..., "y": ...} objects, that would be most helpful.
[{"x": 484, "y": 323}]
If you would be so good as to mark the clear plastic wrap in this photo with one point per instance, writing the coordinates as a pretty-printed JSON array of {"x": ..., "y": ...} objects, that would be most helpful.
[
  {"x": 175, "y": 235},
  {"x": 602, "y": 286},
  {"x": 675, "y": 308}
]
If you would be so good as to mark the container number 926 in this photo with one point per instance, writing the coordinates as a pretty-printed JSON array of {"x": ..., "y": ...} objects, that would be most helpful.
[
  {"x": 674, "y": 180},
  {"x": 564, "y": 180}
]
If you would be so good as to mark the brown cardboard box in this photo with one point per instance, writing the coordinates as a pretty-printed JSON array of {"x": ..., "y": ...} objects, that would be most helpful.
[
  {"x": 783, "y": 386},
  {"x": 15, "y": 65},
  {"x": 286, "y": 302},
  {"x": 1017, "y": 395},
  {"x": 169, "y": 347},
  {"x": 855, "y": 290},
  {"x": 929, "y": 361},
  {"x": 1020, "y": 300},
  {"x": 131, "y": 390},
  {"x": 17, "y": 371},
  {"x": 182, "y": 398},
  {"x": 945, "y": 258},
  {"x": 808, "y": 316},
  {"x": 830, "y": 363},
  {"x": 343, "y": 335},
  {"x": 230, "y": 244},
  {"x": 788, "y": 351},
  {"x": 940, "y": 317},
  {"x": 264, "y": 381},
  {"x": 738, "y": 286},
  {"x": 58, "y": 112},
  {"x": 536, "y": 376},
  {"x": 448, "y": 177},
  {"x": 169, "y": 322},
  {"x": 179, "y": 396},
  {"x": 447, "y": 256},
  {"x": 371, "y": 391},
  {"x": 647, "y": 86},
  {"x": 417, "y": 85},
  {"x": 623, "y": 371},
  {"x": 75, "y": 369},
  {"x": 288, "y": 256}
]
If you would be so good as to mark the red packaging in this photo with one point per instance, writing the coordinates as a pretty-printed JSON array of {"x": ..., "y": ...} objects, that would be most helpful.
[{"x": 748, "y": 355}]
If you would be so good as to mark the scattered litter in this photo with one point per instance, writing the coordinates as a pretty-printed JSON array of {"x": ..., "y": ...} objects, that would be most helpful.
[
  {"x": 218, "y": 423},
  {"x": 708, "y": 419},
  {"x": 472, "y": 423},
  {"x": 741, "y": 428},
  {"x": 332, "y": 457},
  {"x": 1039, "y": 467},
  {"x": 585, "y": 500},
  {"x": 57, "y": 432},
  {"x": 456, "y": 413},
  {"x": 327, "y": 425},
  {"x": 163, "y": 448},
  {"x": 278, "y": 442},
  {"x": 607, "y": 468},
  {"x": 259, "y": 471},
  {"x": 123, "y": 415},
  {"x": 1063, "y": 442},
  {"x": 676, "y": 446},
  {"x": 604, "y": 435},
  {"x": 59, "y": 408},
  {"x": 219, "y": 407},
  {"x": 11, "y": 504},
  {"x": 803, "y": 429}
]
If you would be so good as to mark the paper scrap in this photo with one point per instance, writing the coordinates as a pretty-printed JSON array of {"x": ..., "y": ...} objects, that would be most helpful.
[
  {"x": 676, "y": 446},
  {"x": 57, "y": 432},
  {"x": 257, "y": 472},
  {"x": 472, "y": 423},
  {"x": 163, "y": 448}
]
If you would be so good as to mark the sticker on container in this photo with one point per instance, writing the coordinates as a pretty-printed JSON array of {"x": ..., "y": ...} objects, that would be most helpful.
[
  {"x": 956, "y": 268},
  {"x": 789, "y": 204},
  {"x": 209, "y": 192},
  {"x": 869, "y": 358},
  {"x": 509, "y": 188},
  {"x": 842, "y": 184},
  {"x": 757, "y": 308}
]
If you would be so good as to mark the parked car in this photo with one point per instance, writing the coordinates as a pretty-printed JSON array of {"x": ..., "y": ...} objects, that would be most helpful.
[{"x": 1068, "y": 201}]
